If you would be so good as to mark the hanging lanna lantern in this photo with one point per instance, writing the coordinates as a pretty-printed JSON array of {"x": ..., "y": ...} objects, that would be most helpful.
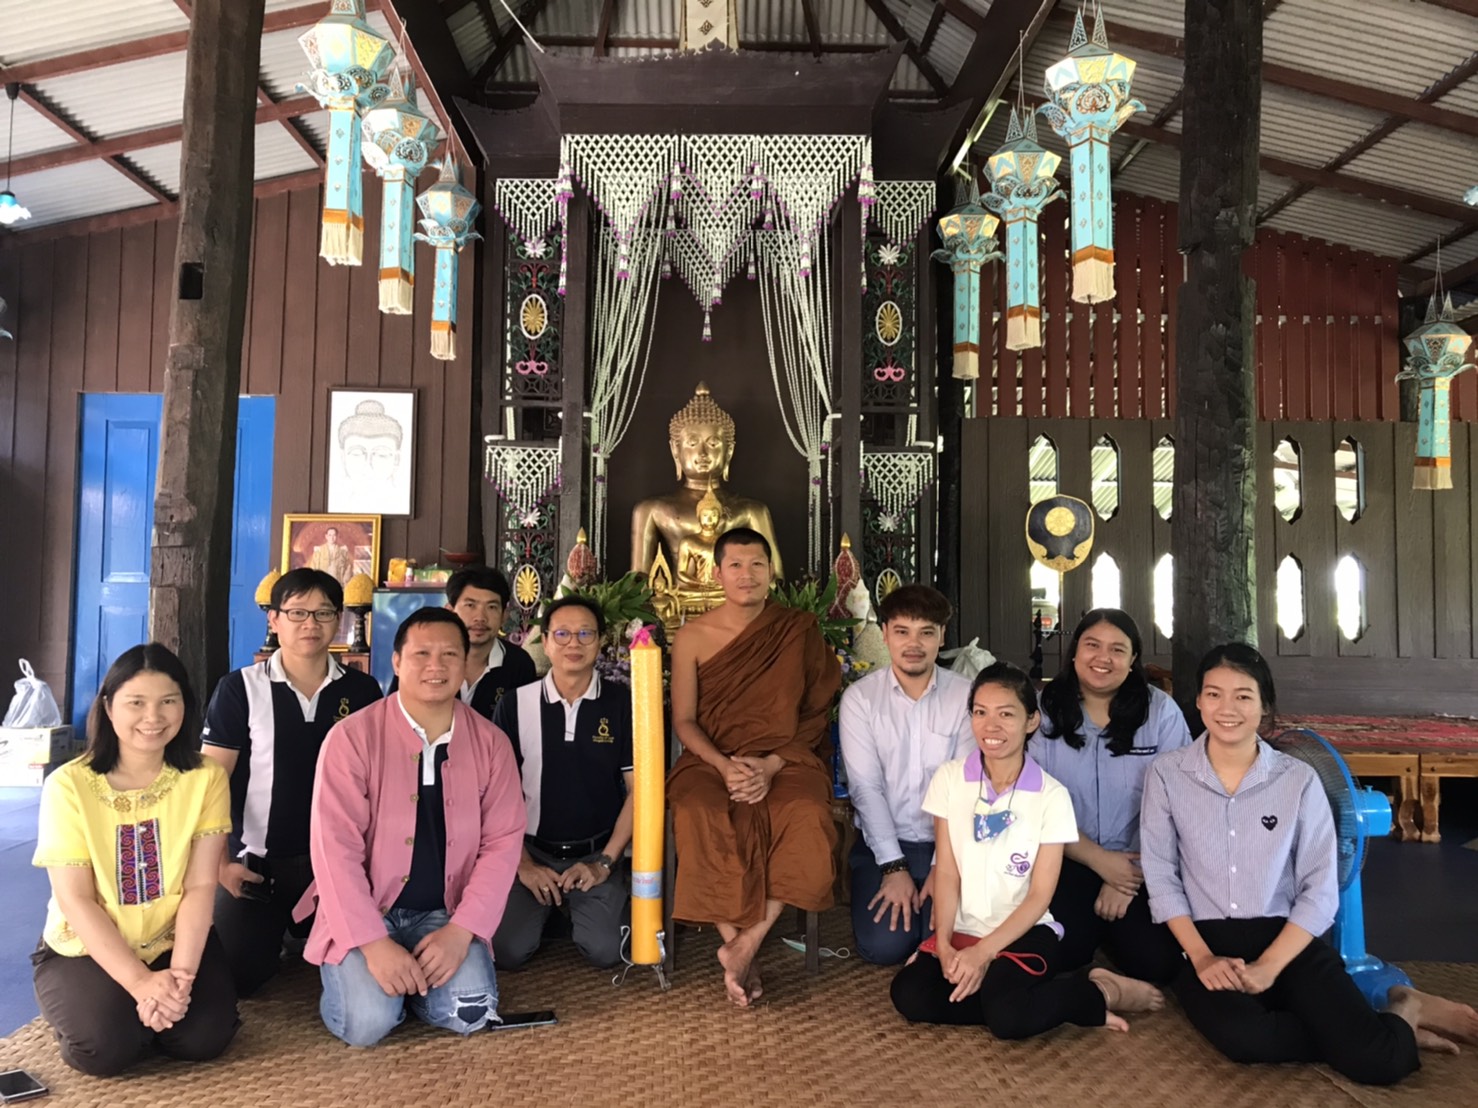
[
  {"x": 350, "y": 62},
  {"x": 1437, "y": 351},
  {"x": 398, "y": 139},
  {"x": 1087, "y": 99},
  {"x": 1022, "y": 184},
  {"x": 449, "y": 210},
  {"x": 968, "y": 234}
]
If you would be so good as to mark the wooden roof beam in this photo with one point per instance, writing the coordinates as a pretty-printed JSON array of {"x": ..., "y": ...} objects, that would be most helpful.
[
  {"x": 603, "y": 31},
  {"x": 987, "y": 69},
  {"x": 813, "y": 28},
  {"x": 893, "y": 27},
  {"x": 527, "y": 13},
  {"x": 1443, "y": 240},
  {"x": 639, "y": 42},
  {"x": 1325, "y": 179},
  {"x": 936, "y": 17},
  {"x": 171, "y": 42},
  {"x": 1364, "y": 96},
  {"x": 1451, "y": 279}
]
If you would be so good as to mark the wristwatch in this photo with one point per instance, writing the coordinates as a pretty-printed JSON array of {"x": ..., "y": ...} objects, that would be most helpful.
[
  {"x": 603, "y": 860},
  {"x": 898, "y": 865}
]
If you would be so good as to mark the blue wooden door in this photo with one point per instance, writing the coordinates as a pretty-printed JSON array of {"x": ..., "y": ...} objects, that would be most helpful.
[{"x": 115, "y": 520}]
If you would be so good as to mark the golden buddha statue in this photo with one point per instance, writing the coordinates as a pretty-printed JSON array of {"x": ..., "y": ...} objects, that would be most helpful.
[{"x": 683, "y": 525}]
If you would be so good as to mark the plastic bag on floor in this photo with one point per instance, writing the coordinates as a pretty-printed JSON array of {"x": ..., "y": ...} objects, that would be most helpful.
[{"x": 33, "y": 704}]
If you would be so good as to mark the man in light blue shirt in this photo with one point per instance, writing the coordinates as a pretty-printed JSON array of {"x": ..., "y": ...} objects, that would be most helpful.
[{"x": 898, "y": 726}]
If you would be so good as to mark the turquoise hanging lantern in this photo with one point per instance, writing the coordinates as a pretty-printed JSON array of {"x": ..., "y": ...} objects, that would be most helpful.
[
  {"x": 968, "y": 234},
  {"x": 350, "y": 62},
  {"x": 1437, "y": 351},
  {"x": 1022, "y": 184},
  {"x": 1087, "y": 99},
  {"x": 398, "y": 139},
  {"x": 449, "y": 210}
]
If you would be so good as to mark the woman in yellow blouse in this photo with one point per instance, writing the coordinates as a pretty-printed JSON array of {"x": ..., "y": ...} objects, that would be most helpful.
[{"x": 131, "y": 835}]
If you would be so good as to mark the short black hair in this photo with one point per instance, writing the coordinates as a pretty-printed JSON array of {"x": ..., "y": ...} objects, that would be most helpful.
[
  {"x": 485, "y": 578},
  {"x": 181, "y": 752},
  {"x": 575, "y": 600},
  {"x": 1007, "y": 676},
  {"x": 300, "y": 582},
  {"x": 431, "y": 615},
  {"x": 915, "y": 602},
  {"x": 740, "y": 536},
  {"x": 1247, "y": 661}
]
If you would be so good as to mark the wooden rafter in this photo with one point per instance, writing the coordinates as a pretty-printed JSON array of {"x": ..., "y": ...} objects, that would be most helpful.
[
  {"x": 965, "y": 14},
  {"x": 527, "y": 12},
  {"x": 648, "y": 42},
  {"x": 936, "y": 17},
  {"x": 63, "y": 123},
  {"x": 1465, "y": 7},
  {"x": 1323, "y": 178},
  {"x": 1348, "y": 92},
  {"x": 813, "y": 26},
  {"x": 603, "y": 31},
  {"x": 988, "y": 66},
  {"x": 893, "y": 27},
  {"x": 1451, "y": 279}
]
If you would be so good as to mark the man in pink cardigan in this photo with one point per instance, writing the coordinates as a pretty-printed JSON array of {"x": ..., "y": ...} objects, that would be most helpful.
[{"x": 418, "y": 822}]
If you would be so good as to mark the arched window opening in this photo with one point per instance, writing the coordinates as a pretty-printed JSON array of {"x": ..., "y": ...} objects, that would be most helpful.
[
  {"x": 1107, "y": 582},
  {"x": 1288, "y": 480},
  {"x": 1164, "y": 595},
  {"x": 1041, "y": 469},
  {"x": 1349, "y": 479},
  {"x": 1349, "y": 597},
  {"x": 1289, "y": 597},
  {"x": 1162, "y": 465},
  {"x": 1104, "y": 483}
]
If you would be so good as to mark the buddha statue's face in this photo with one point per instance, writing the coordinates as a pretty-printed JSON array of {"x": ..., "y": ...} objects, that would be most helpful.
[{"x": 702, "y": 452}]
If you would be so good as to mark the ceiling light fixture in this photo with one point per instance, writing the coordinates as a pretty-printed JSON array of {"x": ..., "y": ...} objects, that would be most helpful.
[{"x": 10, "y": 208}]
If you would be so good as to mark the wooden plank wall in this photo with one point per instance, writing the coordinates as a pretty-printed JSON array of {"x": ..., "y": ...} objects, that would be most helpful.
[
  {"x": 1419, "y": 551},
  {"x": 91, "y": 314},
  {"x": 1327, "y": 340}
]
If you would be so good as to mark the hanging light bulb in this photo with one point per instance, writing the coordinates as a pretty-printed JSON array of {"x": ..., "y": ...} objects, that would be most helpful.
[{"x": 11, "y": 210}]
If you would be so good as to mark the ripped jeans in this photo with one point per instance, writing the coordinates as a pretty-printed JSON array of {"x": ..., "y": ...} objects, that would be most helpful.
[{"x": 356, "y": 1009}]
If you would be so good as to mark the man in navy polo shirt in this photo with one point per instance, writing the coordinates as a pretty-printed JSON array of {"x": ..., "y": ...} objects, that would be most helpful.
[
  {"x": 479, "y": 596},
  {"x": 572, "y": 735},
  {"x": 265, "y": 724}
]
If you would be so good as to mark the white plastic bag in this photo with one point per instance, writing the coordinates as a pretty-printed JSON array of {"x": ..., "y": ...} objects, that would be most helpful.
[
  {"x": 968, "y": 660},
  {"x": 33, "y": 706}
]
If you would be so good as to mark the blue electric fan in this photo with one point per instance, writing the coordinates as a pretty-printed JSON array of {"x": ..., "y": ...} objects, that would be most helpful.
[{"x": 1359, "y": 814}]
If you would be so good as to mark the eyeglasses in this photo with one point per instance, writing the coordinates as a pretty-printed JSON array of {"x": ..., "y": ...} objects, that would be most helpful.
[
  {"x": 298, "y": 615},
  {"x": 585, "y": 636}
]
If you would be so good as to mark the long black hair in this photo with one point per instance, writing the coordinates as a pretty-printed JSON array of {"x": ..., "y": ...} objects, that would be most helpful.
[
  {"x": 181, "y": 751},
  {"x": 1062, "y": 701}
]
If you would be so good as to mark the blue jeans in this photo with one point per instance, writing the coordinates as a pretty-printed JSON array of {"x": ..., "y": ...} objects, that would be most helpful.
[
  {"x": 875, "y": 942},
  {"x": 356, "y": 1009}
]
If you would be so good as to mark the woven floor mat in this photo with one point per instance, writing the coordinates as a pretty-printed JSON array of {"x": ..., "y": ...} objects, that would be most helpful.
[{"x": 828, "y": 1039}]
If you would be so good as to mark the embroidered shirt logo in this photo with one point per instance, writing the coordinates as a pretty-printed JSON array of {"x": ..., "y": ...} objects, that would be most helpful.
[
  {"x": 1270, "y": 822},
  {"x": 344, "y": 708},
  {"x": 603, "y": 732},
  {"x": 1019, "y": 865}
]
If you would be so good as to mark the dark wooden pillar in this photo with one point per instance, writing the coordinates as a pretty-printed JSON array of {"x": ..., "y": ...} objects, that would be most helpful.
[
  {"x": 1216, "y": 411},
  {"x": 488, "y": 392},
  {"x": 575, "y": 365},
  {"x": 189, "y": 578},
  {"x": 951, "y": 394},
  {"x": 847, "y": 375}
]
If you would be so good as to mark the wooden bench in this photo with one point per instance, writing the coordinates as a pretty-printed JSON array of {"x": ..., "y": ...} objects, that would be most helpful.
[
  {"x": 1434, "y": 767},
  {"x": 1405, "y": 771}
]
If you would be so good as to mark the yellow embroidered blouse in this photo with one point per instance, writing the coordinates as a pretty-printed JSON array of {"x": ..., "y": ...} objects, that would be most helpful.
[{"x": 137, "y": 844}]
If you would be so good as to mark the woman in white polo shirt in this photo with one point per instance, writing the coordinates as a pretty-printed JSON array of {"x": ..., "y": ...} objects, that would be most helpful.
[
  {"x": 1239, "y": 855},
  {"x": 1000, "y": 827}
]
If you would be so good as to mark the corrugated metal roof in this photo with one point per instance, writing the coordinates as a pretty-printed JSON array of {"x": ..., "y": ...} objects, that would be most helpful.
[
  {"x": 1423, "y": 159},
  {"x": 33, "y": 131},
  {"x": 470, "y": 33},
  {"x": 952, "y": 41},
  {"x": 1387, "y": 44},
  {"x": 276, "y": 155},
  {"x": 94, "y": 98},
  {"x": 74, "y": 191},
  {"x": 1310, "y": 129},
  {"x": 1454, "y": 254},
  {"x": 1363, "y": 224},
  {"x": 851, "y": 23},
  {"x": 283, "y": 63},
  {"x": 772, "y": 21},
  {"x": 47, "y": 30},
  {"x": 1464, "y": 98}
]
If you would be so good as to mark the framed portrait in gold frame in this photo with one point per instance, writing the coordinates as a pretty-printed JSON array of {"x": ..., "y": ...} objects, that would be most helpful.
[{"x": 340, "y": 545}]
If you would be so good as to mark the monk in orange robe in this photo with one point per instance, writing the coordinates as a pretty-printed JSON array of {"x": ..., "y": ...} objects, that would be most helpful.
[{"x": 752, "y": 687}]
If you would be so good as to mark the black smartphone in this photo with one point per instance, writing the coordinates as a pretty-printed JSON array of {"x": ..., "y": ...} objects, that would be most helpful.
[
  {"x": 523, "y": 1019},
  {"x": 260, "y": 891},
  {"x": 18, "y": 1085}
]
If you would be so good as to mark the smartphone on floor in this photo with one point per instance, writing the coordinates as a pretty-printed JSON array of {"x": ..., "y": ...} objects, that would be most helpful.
[
  {"x": 18, "y": 1085},
  {"x": 523, "y": 1019}
]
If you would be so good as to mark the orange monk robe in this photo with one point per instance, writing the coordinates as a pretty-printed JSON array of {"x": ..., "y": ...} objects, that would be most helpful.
[{"x": 770, "y": 691}]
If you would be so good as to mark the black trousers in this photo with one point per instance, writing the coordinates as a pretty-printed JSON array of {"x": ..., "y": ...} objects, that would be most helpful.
[
  {"x": 251, "y": 930},
  {"x": 96, "y": 1020},
  {"x": 1313, "y": 1013},
  {"x": 1011, "y": 1002},
  {"x": 1136, "y": 944}
]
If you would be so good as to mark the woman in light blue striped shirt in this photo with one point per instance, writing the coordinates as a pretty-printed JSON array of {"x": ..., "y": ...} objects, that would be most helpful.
[
  {"x": 1239, "y": 855},
  {"x": 1102, "y": 725}
]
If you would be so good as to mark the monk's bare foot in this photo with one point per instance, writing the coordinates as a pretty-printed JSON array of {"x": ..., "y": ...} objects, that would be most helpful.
[
  {"x": 1115, "y": 1023},
  {"x": 1430, "y": 1040},
  {"x": 737, "y": 958},
  {"x": 1126, "y": 994},
  {"x": 1448, "y": 1019}
]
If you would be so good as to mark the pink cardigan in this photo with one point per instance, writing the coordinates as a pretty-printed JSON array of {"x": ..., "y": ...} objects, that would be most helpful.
[{"x": 364, "y": 817}]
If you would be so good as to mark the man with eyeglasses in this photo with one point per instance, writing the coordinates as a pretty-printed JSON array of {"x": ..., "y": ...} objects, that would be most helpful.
[
  {"x": 265, "y": 724},
  {"x": 571, "y": 733}
]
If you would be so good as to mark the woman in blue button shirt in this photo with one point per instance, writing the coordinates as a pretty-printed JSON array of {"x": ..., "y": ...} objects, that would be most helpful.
[
  {"x": 1240, "y": 859},
  {"x": 1102, "y": 723}
]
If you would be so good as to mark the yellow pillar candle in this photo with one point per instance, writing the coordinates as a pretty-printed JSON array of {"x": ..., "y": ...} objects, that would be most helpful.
[{"x": 649, "y": 743}]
